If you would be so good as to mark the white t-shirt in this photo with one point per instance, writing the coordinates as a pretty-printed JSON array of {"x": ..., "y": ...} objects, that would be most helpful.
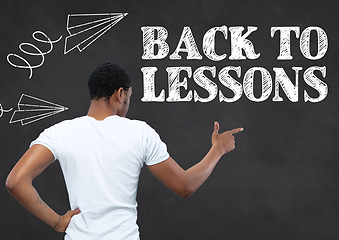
[{"x": 101, "y": 163}]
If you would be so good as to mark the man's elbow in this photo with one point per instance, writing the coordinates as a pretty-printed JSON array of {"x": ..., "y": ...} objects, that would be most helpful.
[
  {"x": 185, "y": 191},
  {"x": 12, "y": 183},
  {"x": 185, "y": 194}
]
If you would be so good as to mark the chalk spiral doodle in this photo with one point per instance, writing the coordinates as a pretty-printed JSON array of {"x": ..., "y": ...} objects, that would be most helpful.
[
  {"x": 38, "y": 52},
  {"x": 4, "y": 110}
]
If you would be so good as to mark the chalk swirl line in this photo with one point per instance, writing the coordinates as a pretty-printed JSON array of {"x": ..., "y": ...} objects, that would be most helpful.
[
  {"x": 4, "y": 110},
  {"x": 38, "y": 52}
]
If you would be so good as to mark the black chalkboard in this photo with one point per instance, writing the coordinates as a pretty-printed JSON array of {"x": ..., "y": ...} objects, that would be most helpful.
[{"x": 281, "y": 181}]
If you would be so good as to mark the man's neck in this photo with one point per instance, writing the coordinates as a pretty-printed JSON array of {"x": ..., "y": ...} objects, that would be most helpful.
[{"x": 100, "y": 109}]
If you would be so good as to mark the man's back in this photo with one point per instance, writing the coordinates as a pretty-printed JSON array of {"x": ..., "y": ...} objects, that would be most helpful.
[{"x": 101, "y": 162}]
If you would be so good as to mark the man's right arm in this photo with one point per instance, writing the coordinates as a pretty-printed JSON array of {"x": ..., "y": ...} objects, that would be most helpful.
[{"x": 185, "y": 182}]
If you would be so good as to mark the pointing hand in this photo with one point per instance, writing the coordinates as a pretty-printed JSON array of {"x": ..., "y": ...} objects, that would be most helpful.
[{"x": 224, "y": 142}]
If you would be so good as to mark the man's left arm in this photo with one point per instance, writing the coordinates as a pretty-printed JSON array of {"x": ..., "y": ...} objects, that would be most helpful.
[{"x": 19, "y": 184}]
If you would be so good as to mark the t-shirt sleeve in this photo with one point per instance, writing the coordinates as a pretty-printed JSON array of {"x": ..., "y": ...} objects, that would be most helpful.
[
  {"x": 156, "y": 149},
  {"x": 47, "y": 139}
]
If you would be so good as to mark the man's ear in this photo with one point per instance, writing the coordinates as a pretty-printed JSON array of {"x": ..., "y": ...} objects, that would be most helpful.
[{"x": 120, "y": 92}]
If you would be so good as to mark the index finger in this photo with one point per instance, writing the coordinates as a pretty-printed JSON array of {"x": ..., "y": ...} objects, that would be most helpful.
[{"x": 236, "y": 130}]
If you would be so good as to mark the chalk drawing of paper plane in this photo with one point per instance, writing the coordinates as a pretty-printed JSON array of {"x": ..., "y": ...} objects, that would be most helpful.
[
  {"x": 31, "y": 109},
  {"x": 84, "y": 29}
]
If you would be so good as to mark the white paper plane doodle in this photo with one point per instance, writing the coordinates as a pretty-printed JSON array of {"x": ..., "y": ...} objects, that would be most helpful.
[
  {"x": 84, "y": 29},
  {"x": 31, "y": 109}
]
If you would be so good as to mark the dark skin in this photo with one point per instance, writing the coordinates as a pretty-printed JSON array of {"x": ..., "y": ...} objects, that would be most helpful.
[{"x": 180, "y": 181}]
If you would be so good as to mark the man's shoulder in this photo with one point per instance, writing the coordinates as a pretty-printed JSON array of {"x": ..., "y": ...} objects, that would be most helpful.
[
  {"x": 141, "y": 125},
  {"x": 80, "y": 122},
  {"x": 135, "y": 121},
  {"x": 75, "y": 120},
  {"x": 68, "y": 123},
  {"x": 134, "y": 124}
]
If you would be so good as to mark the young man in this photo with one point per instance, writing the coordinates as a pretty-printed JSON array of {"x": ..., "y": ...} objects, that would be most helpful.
[{"x": 101, "y": 155}]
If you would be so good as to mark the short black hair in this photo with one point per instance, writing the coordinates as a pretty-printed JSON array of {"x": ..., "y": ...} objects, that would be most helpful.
[{"x": 106, "y": 78}]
